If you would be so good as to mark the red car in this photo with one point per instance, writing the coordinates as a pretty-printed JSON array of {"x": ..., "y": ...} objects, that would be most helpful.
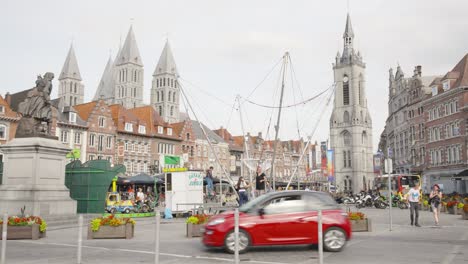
[{"x": 281, "y": 218}]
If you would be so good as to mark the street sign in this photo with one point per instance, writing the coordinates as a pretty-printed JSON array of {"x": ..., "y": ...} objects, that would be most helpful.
[
  {"x": 390, "y": 153},
  {"x": 388, "y": 166}
]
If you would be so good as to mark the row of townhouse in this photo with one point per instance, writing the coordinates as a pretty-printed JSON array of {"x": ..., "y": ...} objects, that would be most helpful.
[{"x": 427, "y": 126}]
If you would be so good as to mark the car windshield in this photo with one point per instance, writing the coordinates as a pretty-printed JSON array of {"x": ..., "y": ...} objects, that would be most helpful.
[{"x": 252, "y": 204}]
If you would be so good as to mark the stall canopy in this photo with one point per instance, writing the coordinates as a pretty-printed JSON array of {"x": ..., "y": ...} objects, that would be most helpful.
[
  {"x": 141, "y": 178},
  {"x": 463, "y": 173}
]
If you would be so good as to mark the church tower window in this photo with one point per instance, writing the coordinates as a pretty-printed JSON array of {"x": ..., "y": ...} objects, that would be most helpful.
[
  {"x": 346, "y": 90},
  {"x": 346, "y": 117}
]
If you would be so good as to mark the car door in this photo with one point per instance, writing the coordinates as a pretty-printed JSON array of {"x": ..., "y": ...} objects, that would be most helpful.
[
  {"x": 315, "y": 202},
  {"x": 281, "y": 221}
]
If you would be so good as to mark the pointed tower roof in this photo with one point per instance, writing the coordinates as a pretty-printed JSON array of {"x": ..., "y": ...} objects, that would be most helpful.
[
  {"x": 166, "y": 63},
  {"x": 129, "y": 52},
  {"x": 105, "y": 89},
  {"x": 349, "y": 28},
  {"x": 70, "y": 67}
]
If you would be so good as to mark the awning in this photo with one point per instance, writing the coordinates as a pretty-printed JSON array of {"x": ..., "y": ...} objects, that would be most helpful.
[{"x": 463, "y": 173}]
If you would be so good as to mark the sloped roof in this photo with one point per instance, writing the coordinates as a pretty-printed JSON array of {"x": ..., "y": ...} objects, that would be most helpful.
[
  {"x": 64, "y": 117},
  {"x": 233, "y": 144},
  {"x": 461, "y": 71},
  {"x": 105, "y": 88},
  {"x": 70, "y": 67},
  {"x": 151, "y": 117},
  {"x": 121, "y": 115},
  {"x": 84, "y": 110},
  {"x": 166, "y": 63},
  {"x": 178, "y": 127},
  {"x": 212, "y": 136},
  {"x": 129, "y": 52},
  {"x": 8, "y": 112}
]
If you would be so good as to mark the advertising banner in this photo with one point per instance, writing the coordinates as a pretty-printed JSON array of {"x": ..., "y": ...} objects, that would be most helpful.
[
  {"x": 330, "y": 165},
  {"x": 323, "y": 160},
  {"x": 377, "y": 164}
]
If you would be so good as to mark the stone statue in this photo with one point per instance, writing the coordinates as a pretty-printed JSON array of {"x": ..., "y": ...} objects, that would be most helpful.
[{"x": 36, "y": 110}]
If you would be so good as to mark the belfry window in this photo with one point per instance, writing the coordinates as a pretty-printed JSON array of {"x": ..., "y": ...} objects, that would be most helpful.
[{"x": 345, "y": 90}]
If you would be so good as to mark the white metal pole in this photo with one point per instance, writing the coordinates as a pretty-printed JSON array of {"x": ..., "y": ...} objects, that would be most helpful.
[
  {"x": 156, "y": 244},
  {"x": 236, "y": 236},
  {"x": 4, "y": 238},
  {"x": 390, "y": 197},
  {"x": 320, "y": 237},
  {"x": 80, "y": 238},
  {"x": 246, "y": 147}
]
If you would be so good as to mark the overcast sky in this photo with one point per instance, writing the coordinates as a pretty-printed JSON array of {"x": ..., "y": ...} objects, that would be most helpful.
[{"x": 225, "y": 48}]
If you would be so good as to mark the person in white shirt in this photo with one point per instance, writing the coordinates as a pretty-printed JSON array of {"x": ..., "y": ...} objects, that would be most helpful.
[
  {"x": 140, "y": 196},
  {"x": 242, "y": 186},
  {"x": 414, "y": 197}
]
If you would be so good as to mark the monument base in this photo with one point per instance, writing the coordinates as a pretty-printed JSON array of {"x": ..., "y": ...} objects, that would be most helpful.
[{"x": 34, "y": 176}]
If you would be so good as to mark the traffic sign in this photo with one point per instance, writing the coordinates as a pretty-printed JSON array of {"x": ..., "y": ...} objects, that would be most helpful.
[{"x": 388, "y": 166}]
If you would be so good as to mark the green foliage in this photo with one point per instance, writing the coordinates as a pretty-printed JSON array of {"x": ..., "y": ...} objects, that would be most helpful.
[
  {"x": 95, "y": 224},
  {"x": 43, "y": 226}
]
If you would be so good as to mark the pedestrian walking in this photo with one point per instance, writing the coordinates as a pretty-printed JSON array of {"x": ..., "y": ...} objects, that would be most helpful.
[
  {"x": 209, "y": 181},
  {"x": 260, "y": 180},
  {"x": 242, "y": 186},
  {"x": 435, "y": 198},
  {"x": 414, "y": 196}
]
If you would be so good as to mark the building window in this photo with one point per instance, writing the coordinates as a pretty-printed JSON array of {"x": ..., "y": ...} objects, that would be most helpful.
[
  {"x": 77, "y": 138},
  {"x": 446, "y": 85},
  {"x": 160, "y": 130},
  {"x": 100, "y": 142},
  {"x": 126, "y": 146},
  {"x": 434, "y": 91},
  {"x": 91, "y": 157},
  {"x": 157, "y": 96},
  {"x": 160, "y": 110},
  {"x": 3, "y": 131},
  {"x": 344, "y": 158},
  {"x": 346, "y": 138},
  {"x": 349, "y": 158},
  {"x": 64, "y": 136},
  {"x": 141, "y": 129},
  {"x": 102, "y": 121},
  {"x": 109, "y": 142},
  {"x": 169, "y": 131},
  {"x": 129, "y": 127},
  {"x": 172, "y": 110},
  {"x": 92, "y": 138},
  {"x": 345, "y": 90},
  {"x": 2, "y": 109},
  {"x": 72, "y": 118}
]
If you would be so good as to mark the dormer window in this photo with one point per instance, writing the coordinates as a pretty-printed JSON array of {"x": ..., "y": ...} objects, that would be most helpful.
[
  {"x": 169, "y": 131},
  {"x": 434, "y": 91},
  {"x": 129, "y": 127},
  {"x": 141, "y": 129},
  {"x": 72, "y": 118},
  {"x": 2, "y": 109},
  {"x": 446, "y": 85},
  {"x": 160, "y": 130}
]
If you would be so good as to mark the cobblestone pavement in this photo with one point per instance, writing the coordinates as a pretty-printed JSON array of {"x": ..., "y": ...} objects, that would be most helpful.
[{"x": 404, "y": 244}]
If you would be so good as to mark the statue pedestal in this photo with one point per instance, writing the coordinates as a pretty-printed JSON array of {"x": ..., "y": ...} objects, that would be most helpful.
[{"x": 34, "y": 176}]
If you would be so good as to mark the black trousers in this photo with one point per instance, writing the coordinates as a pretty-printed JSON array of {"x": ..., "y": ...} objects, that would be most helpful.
[{"x": 414, "y": 211}]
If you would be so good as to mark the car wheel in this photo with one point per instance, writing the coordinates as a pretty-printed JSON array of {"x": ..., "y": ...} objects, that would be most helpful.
[
  {"x": 230, "y": 242},
  {"x": 127, "y": 211},
  {"x": 334, "y": 239},
  {"x": 113, "y": 211}
]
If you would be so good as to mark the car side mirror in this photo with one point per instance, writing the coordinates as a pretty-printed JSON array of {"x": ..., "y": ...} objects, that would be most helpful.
[{"x": 261, "y": 211}]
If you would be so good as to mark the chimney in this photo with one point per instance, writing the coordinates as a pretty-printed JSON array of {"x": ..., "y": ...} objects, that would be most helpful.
[{"x": 260, "y": 134}]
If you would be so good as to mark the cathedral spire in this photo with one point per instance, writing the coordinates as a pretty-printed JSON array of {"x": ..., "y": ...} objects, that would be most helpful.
[
  {"x": 166, "y": 63},
  {"x": 105, "y": 89},
  {"x": 70, "y": 67},
  {"x": 129, "y": 52},
  {"x": 348, "y": 37}
]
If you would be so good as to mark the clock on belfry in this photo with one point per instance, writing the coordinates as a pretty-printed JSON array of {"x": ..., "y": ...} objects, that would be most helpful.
[{"x": 345, "y": 79}]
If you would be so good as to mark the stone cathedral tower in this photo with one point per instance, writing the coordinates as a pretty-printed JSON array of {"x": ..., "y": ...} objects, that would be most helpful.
[
  {"x": 128, "y": 74},
  {"x": 165, "y": 90},
  {"x": 350, "y": 122},
  {"x": 71, "y": 90}
]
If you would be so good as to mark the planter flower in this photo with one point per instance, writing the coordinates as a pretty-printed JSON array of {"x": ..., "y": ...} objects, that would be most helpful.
[
  {"x": 195, "y": 223},
  {"x": 460, "y": 207},
  {"x": 25, "y": 227},
  {"x": 359, "y": 222},
  {"x": 111, "y": 227},
  {"x": 451, "y": 207},
  {"x": 425, "y": 204}
]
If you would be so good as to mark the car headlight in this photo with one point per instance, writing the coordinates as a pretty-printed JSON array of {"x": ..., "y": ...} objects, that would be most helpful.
[{"x": 216, "y": 222}]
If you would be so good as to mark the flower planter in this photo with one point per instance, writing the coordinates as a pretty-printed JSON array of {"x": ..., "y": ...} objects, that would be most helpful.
[
  {"x": 451, "y": 210},
  {"x": 123, "y": 231},
  {"x": 425, "y": 207},
  {"x": 23, "y": 232},
  {"x": 193, "y": 230},
  {"x": 364, "y": 225},
  {"x": 443, "y": 209},
  {"x": 459, "y": 211},
  {"x": 464, "y": 215}
]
